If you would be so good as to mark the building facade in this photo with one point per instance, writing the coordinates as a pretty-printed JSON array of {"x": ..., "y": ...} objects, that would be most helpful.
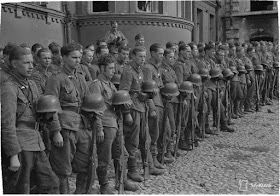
[
  {"x": 249, "y": 20},
  {"x": 88, "y": 21}
]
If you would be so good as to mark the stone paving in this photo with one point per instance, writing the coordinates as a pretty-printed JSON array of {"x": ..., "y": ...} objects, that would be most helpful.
[{"x": 243, "y": 162}]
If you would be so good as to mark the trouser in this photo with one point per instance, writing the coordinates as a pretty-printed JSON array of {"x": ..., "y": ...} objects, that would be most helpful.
[
  {"x": 75, "y": 150},
  {"x": 223, "y": 120},
  {"x": 19, "y": 182},
  {"x": 244, "y": 92},
  {"x": 250, "y": 94},
  {"x": 185, "y": 130},
  {"x": 236, "y": 95},
  {"x": 106, "y": 150},
  {"x": 171, "y": 114}
]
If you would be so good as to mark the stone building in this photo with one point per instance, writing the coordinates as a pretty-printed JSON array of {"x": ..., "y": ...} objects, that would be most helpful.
[
  {"x": 249, "y": 20},
  {"x": 87, "y": 21}
]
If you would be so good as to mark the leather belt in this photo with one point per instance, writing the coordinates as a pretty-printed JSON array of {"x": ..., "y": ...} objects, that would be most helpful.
[
  {"x": 31, "y": 125},
  {"x": 71, "y": 108}
]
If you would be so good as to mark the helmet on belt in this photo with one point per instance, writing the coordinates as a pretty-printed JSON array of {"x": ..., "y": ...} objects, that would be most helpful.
[
  {"x": 276, "y": 64},
  {"x": 215, "y": 73},
  {"x": 264, "y": 64},
  {"x": 121, "y": 97},
  {"x": 241, "y": 69},
  {"x": 249, "y": 67},
  {"x": 233, "y": 69},
  {"x": 116, "y": 79},
  {"x": 203, "y": 72},
  {"x": 227, "y": 72},
  {"x": 186, "y": 87},
  {"x": 149, "y": 86},
  {"x": 48, "y": 103},
  {"x": 170, "y": 89},
  {"x": 93, "y": 103},
  {"x": 259, "y": 68},
  {"x": 195, "y": 79}
]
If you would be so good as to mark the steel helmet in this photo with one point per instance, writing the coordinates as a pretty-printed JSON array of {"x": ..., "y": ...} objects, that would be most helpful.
[
  {"x": 149, "y": 86},
  {"x": 93, "y": 103},
  {"x": 249, "y": 67},
  {"x": 116, "y": 79},
  {"x": 195, "y": 79},
  {"x": 276, "y": 64},
  {"x": 264, "y": 64},
  {"x": 203, "y": 72},
  {"x": 215, "y": 73},
  {"x": 227, "y": 72},
  {"x": 259, "y": 68},
  {"x": 48, "y": 103},
  {"x": 241, "y": 69},
  {"x": 186, "y": 87},
  {"x": 121, "y": 97},
  {"x": 233, "y": 69},
  {"x": 170, "y": 89}
]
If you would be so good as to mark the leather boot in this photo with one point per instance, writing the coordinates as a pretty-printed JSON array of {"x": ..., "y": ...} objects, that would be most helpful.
[
  {"x": 169, "y": 156},
  {"x": 64, "y": 184},
  {"x": 226, "y": 128},
  {"x": 155, "y": 171},
  {"x": 129, "y": 186},
  {"x": 183, "y": 145},
  {"x": 133, "y": 173},
  {"x": 103, "y": 181},
  {"x": 248, "y": 109},
  {"x": 234, "y": 116},
  {"x": 157, "y": 164},
  {"x": 81, "y": 181},
  {"x": 229, "y": 122}
]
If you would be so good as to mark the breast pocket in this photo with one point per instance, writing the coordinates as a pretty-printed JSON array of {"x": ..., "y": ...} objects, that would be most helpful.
[
  {"x": 22, "y": 105},
  {"x": 68, "y": 93}
]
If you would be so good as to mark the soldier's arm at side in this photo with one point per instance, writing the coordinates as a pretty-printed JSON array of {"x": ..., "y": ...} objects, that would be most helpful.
[
  {"x": 8, "y": 120},
  {"x": 126, "y": 81},
  {"x": 147, "y": 74},
  {"x": 179, "y": 72},
  {"x": 37, "y": 79}
]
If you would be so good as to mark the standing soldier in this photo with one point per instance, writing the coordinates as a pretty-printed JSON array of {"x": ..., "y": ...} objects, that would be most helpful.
[
  {"x": 122, "y": 59},
  {"x": 232, "y": 55},
  {"x": 21, "y": 140},
  {"x": 86, "y": 62},
  {"x": 208, "y": 62},
  {"x": 6, "y": 67},
  {"x": 220, "y": 59},
  {"x": 194, "y": 53},
  {"x": 131, "y": 81},
  {"x": 151, "y": 71},
  {"x": 71, "y": 144},
  {"x": 107, "y": 145},
  {"x": 56, "y": 58},
  {"x": 34, "y": 50},
  {"x": 184, "y": 66}
]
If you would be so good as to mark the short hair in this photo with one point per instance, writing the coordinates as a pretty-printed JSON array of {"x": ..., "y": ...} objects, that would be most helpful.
[
  {"x": 200, "y": 44},
  {"x": 138, "y": 49},
  {"x": 105, "y": 60},
  {"x": 54, "y": 47},
  {"x": 209, "y": 47},
  {"x": 201, "y": 49},
  {"x": 89, "y": 46},
  {"x": 169, "y": 44},
  {"x": 123, "y": 47},
  {"x": 99, "y": 41},
  {"x": 223, "y": 47},
  {"x": 85, "y": 51},
  {"x": 211, "y": 42},
  {"x": 237, "y": 43},
  {"x": 35, "y": 47},
  {"x": 17, "y": 52},
  {"x": 181, "y": 43},
  {"x": 68, "y": 48},
  {"x": 167, "y": 51},
  {"x": 262, "y": 43},
  {"x": 113, "y": 22},
  {"x": 191, "y": 44},
  {"x": 255, "y": 43},
  {"x": 183, "y": 47},
  {"x": 231, "y": 45},
  {"x": 219, "y": 51},
  {"x": 244, "y": 44},
  {"x": 218, "y": 43},
  {"x": 99, "y": 48},
  {"x": 24, "y": 45},
  {"x": 239, "y": 48},
  {"x": 43, "y": 50},
  {"x": 154, "y": 47},
  {"x": 8, "y": 48},
  {"x": 249, "y": 49},
  {"x": 138, "y": 36}
]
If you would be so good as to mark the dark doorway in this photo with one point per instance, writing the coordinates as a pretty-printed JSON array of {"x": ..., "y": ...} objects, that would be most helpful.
[
  {"x": 261, "y": 5},
  {"x": 262, "y": 38}
]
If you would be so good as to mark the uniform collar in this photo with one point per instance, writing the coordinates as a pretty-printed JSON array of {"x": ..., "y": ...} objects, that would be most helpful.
[
  {"x": 41, "y": 69},
  {"x": 103, "y": 78},
  {"x": 135, "y": 66},
  {"x": 152, "y": 62},
  {"x": 68, "y": 72},
  {"x": 166, "y": 66}
]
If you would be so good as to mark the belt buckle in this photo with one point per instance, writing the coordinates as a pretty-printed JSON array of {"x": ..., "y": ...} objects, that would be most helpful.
[{"x": 36, "y": 126}]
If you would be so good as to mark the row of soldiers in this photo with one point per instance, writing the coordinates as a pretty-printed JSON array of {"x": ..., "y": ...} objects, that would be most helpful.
[{"x": 67, "y": 110}]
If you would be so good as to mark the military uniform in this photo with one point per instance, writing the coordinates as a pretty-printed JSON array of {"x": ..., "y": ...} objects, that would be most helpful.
[
  {"x": 5, "y": 71},
  {"x": 250, "y": 76},
  {"x": 184, "y": 68},
  {"x": 112, "y": 36},
  {"x": 92, "y": 69},
  {"x": 20, "y": 136},
  {"x": 70, "y": 88},
  {"x": 206, "y": 63},
  {"x": 119, "y": 66},
  {"x": 82, "y": 69},
  {"x": 243, "y": 84}
]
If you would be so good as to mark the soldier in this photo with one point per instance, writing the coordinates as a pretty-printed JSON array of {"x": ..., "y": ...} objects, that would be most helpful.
[
  {"x": 220, "y": 59},
  {"x": 56, "y": 58},
  {"x": 107, "y": 139},
  {"x": 100, "y": 50},
  {"x": 6, "y": 67},
  {"x": 114, "y": 35},
  {"x": 184, "y": 67},
  {"x": 71, "y": 144},
  {"x": 139, "y": 40},
  {"x": 211, "y": 86},
  {"x": 131, "y": 81},
  {"x": 34, "y": 50},
  {"x": 250, "y": 76},
  {"x": 21, "y": 141},
  {"x": 194, "y": 53},
  {"x": 87, "y": 59},
  {"x": 232, "y": 55},
  {"x": 151, "y": 71},
  {"x": 208, "y": 62},
  {"x": 92, "y": 49},
  {"x": 122, "y": 58}
]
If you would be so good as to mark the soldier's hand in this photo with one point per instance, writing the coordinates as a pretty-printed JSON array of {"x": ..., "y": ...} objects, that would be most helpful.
[
  {"x": 14, "y": 163},
  {"x": 49, "y": 115},
  {"x": 127, "y": 106},
  {"x": 58, "y": 140},
  {"x": 185, "y": 103},
  {"x": 153, "y": 114},
  {"x": 143, "y": 96},
  {"x": 249, "y": 83},
  {"x": 100, "y": 136}
]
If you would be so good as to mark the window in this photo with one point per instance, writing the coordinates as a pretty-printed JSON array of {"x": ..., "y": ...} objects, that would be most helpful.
[
  {"x": 100, "y": 6},
  {"x": 148, "y": 6},
  {"x": 261, "y": 5},
  {"x": 212, "y": 27},
  {"x": 199, "y": 25}
]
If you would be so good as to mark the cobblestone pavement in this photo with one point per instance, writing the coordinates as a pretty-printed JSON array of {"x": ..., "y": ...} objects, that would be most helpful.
[{"x": 243, "y": 162}]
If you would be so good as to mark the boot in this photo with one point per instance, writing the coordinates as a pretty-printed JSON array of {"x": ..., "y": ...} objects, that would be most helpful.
[
  {"x": 183, "y": 145},
  {"x": 248, "y": 109},
  {"x": 209, "y": 131},
  {"x": 103, "y": 181},
  {"x": 157, "y": 164},
  {"x": 169, "y": 157},
  {"x": 129, "y": 186},
  {"x": 233, "y": 116},
  {"x": 226, "y": 128},
  {"x": 81, "y": 181},
  {"x": 229, "y": 122},
  {"x": 133, "y": 173},
  {"x": 64, "y": 184},
  {"x": 154, "y": 171}
]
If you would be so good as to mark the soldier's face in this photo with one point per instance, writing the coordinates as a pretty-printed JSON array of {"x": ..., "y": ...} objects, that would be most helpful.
[
  {"x": 24, "y": 65},
  {"x": 140, "y": 41},
  {"x": 187, "y": 53},
  {"x": 195, "y": 51},
  {"x": 123, "y": 55},
  {"x": 158, "y": 56},
  {"x": 91, "y": 48},
  {"x": 73, "y": 59},
  {"x": 211, "y": 53},
  {"x": 45, "y": 59},
  {"x": 169, "y": 59},
  {"x": 88, "y": 56},
  {"x": 220, "y": 56},
  {"x": 139, "y": 58},
  {"x": 108, "y": 70}
]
